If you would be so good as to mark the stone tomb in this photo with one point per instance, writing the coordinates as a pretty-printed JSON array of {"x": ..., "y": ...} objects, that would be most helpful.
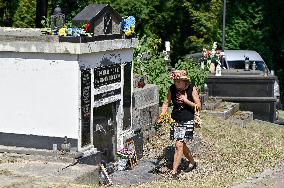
[
  {"x": 82, "y": 89},
  {"x": 52, "y": 89},
  {"x": 253, "y": 91}
]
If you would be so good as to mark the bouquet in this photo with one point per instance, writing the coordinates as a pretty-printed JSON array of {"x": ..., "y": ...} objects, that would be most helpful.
[
  {"x": 212, "y": 56},
  {"x": 128, "y": 25},
  {"x": 164, "y": 120},
  {"x": 125, "y": 153},
  {"x": 71, "y": 32}
]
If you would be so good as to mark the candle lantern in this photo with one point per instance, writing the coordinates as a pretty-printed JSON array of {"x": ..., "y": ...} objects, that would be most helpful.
[
  {"x": 253, "y": 66},
  {"x": 218, "y": 70},
  {"x": 57, "y": 19},
  {"x": 247, "y": 64}
]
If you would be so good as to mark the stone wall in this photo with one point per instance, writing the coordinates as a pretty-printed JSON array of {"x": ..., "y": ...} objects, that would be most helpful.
[{"x": 145, "y": 109}]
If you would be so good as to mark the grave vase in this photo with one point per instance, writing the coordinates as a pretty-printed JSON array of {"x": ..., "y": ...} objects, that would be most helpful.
[
  {"x": 122, "y": 164},
  {"x": 212, "y": 67}
]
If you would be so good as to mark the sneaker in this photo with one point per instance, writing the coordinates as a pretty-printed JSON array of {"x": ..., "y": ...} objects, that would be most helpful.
[{"x": 190, "y": 168}]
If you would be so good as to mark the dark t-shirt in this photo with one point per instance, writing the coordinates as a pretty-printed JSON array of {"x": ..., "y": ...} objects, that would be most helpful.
[{"x": 182, "y": 111}]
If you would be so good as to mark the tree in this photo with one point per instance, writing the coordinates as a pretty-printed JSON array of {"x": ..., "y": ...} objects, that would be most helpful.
[
  {"x": 25, "y": 14},
  {"x": 2, "y": 8},
  {"x": 275, "y": 41},
  {"x": 7, "y": 11},
  {"x": 205, "y": 17},
  {"x": 246, "y": 27}
]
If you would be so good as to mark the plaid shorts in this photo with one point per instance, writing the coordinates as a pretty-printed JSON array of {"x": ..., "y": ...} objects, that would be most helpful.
[{"x": 182, "y": 131}]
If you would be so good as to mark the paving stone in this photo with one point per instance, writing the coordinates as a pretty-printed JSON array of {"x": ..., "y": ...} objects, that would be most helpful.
[
  {"x": 51, "y": 172},
  {"x": 140, "y": 174}
]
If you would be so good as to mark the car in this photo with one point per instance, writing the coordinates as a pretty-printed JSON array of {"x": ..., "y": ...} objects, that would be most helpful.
[{"x": 235, "y": 59}]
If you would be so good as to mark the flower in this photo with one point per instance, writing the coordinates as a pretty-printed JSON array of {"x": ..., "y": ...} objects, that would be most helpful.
[
  {"x": 128, "y": 25},
  {"x": 164, "y": 120},
  {"x": 212, "y": 56},
  {"x": 62, "y": 31},
  {"x": 87, "y": 27},
  {"x": 69, "y": 31},
  {"x": 125, "y": 153}
]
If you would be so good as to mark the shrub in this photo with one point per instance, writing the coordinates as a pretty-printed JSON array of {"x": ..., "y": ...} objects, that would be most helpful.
[
  {"x": 150, "y": 63},
  {"x": 25, "y": 14}
]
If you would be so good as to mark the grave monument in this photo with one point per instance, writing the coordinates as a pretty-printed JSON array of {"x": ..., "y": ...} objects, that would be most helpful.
[{"x": 76, "y": 87}]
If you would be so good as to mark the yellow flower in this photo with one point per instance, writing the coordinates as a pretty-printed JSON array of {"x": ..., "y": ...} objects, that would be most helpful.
[
  {"x": 62, "y": 32},
  {"x": 132, "y": 28},
  {"x": 128, "y": 33}
]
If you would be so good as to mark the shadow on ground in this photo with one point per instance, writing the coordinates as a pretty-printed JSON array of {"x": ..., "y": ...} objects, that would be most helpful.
[{"x": 164, "y": 163}]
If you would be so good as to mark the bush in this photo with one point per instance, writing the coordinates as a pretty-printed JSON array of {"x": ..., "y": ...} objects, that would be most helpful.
[{"x": 150, "y": 63}]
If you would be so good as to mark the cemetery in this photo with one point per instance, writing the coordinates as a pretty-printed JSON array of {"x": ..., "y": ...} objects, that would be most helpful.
[{"x": 74, "y": 113}]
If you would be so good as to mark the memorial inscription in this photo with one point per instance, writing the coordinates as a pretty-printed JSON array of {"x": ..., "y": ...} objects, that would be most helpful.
[
  {"x": 86, "y": 106},
  {"x": 107, "y": 94},
  {"x": 107, "y": 75}
]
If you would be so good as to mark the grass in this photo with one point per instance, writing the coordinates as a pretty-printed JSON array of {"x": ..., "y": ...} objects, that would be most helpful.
[{"x": 227, "y": 153}]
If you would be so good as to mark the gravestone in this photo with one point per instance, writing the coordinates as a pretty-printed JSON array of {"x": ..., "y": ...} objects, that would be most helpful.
[
  {"x": 57, "y": 89},
  {"x": 251, "y": 89}
]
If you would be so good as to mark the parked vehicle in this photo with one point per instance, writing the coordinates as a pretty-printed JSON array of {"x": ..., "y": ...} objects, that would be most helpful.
[{"x": 235, "y": 59}]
